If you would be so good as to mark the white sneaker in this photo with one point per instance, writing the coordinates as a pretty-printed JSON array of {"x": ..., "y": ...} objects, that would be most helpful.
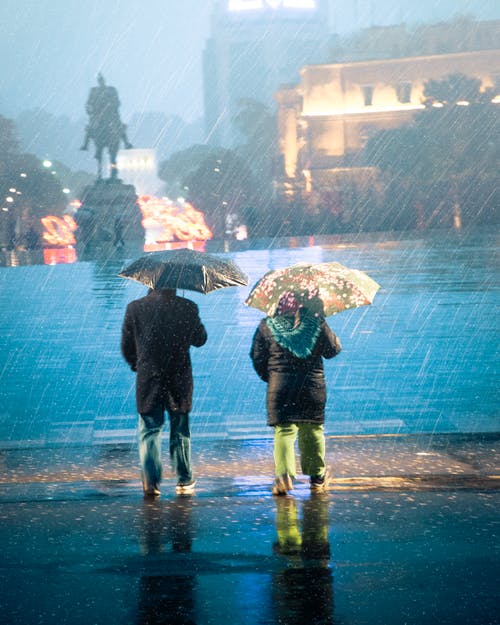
[{"x": 185, "y": 487}]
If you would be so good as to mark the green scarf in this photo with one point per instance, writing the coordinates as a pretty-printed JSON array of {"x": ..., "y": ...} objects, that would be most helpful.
[{"x": 300, "y": 341}]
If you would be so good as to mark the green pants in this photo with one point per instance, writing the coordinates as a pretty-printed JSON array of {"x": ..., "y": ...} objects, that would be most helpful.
[{"x": 311, "y": 448}]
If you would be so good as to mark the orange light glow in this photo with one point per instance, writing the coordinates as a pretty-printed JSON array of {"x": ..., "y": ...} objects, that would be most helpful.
[
  {"x": 166, "y": 221},
  {"x": 199, "y": 246},
  {"x": 59, "y": 230},
  {"x": 59, "y": 255}
]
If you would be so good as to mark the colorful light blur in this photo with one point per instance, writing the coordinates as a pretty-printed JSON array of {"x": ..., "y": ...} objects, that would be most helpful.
[
  {"x": 166, "y": 221},
  {"x": 59, "y": 230},
  {"x": 59, "y": 255},
  {"x": 168, "y": 225}
]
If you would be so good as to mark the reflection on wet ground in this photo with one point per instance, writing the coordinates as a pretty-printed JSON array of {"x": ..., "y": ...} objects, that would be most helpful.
[
  {"x": 341, "y": 558},
  {"x": 407, "y": 534}
]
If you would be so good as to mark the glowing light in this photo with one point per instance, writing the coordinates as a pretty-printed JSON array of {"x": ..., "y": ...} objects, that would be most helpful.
[
  {"x": 463, "y": 103},
  {"x": 199, "y": 246},
  {"x": 12, "y": 190},
  {"x": 168, "y": 221},
  {"x": 47, "y": 163},
  {"x": 9, "y": 199},
  {"x": 254, "y": 5},
  {"x": 299, "y": 4},
  {"x": 241, "y": 233},
  {"x": 59, "y": 230},
  {"x": 364, "y": 110},
  {"x": 244, "y": 5},
  {"x": 59, "y": 255},
  {"x": 66, "y": 190},
  {"x": 496, "y": 99},
  {"x": 437, "y": 105}
]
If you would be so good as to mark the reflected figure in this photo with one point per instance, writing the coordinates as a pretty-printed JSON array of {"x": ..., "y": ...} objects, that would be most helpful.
[
  {"x": 303, "y": 590},
  {"x": 166, "y": 529}
]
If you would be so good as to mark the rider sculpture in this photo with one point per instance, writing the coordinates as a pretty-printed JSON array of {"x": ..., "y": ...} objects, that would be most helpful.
[{"x": 105, "y": 127}]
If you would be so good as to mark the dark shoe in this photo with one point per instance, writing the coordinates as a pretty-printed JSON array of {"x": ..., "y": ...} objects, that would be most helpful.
[
  {"x": 320, "y": 484},
  {"x": 185, "y": 487},
  {"x": 282, "y": 485},
  {"x": 287, "y": 549},
  {"x": 316, "y": 550}
]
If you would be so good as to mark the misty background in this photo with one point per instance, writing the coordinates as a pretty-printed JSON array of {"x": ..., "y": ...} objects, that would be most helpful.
[{"x": 152, "y": 52}]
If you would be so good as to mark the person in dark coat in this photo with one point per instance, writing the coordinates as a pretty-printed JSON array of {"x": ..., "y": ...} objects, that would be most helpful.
[
  {"x": 287, "y": 352},
  {"x": 157, "y": 333}
]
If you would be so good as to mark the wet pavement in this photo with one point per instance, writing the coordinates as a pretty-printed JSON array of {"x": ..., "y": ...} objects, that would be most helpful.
[{"x": 407, "y": 534}]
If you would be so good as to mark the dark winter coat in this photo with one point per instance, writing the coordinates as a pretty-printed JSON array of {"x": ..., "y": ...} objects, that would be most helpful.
[
  {"x": 157, "y": 333},
  {"x": 296, "y": 389}
]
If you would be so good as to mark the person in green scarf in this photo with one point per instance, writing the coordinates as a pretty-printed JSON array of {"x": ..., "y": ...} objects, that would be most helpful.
[{"x": 287, "y": 352}]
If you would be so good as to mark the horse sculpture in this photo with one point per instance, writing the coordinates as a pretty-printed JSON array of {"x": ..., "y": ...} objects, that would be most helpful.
[{"x": 105, "y": 127}]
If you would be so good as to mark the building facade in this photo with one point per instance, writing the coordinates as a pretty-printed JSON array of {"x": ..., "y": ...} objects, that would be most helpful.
[
  {"x": 325, "y": 121},
  {"x": 255, "y": 46}
]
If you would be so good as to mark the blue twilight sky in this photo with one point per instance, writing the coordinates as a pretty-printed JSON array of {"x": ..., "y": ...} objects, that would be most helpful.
[{"x": 151, "y": 50}]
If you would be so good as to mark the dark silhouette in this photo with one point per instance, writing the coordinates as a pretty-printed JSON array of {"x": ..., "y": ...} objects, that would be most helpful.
[
  {"x": 158, "y": 332},
  {"x": 287, "y": 353},
  {"x": 166, "y": 598},
  {"x": 105, "y": 127}
]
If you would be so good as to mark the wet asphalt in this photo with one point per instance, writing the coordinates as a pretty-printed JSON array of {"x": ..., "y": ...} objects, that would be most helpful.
[{"x": 408, "y": 533}]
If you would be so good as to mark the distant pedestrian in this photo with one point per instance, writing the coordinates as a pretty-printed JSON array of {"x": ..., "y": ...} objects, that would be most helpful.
[
  {"x": 287, "y": 352},
  {"x": 118, "y": 234},
  {"x": 158, "y": 331}
]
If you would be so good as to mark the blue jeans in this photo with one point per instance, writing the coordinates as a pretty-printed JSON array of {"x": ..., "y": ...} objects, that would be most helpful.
[{"x": 150, "y": 430}]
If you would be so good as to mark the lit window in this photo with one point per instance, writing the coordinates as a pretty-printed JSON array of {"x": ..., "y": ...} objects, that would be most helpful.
[
  {"x": 403, "y": 92},
  {"x": 368, "y": 94}
]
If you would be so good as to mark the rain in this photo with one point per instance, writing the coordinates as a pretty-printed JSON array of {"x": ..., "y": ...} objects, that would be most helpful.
[{"x": 267, "y": 133}]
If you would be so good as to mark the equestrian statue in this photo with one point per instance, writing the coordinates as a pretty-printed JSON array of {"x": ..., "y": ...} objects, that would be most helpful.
[{"x": 105, "y": 127}]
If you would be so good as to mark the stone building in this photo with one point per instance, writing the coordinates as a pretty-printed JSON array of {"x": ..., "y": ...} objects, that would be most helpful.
[{"x": 325, "y": 120}]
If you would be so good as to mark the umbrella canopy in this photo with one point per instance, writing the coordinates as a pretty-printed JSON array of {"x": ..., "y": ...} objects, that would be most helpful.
[
  {"x": 324, "y": 288},
  {"x": 184, "y": 269}
]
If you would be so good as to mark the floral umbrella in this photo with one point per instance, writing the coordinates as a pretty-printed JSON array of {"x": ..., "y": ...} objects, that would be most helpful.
[{"x": 324, "y": 288}]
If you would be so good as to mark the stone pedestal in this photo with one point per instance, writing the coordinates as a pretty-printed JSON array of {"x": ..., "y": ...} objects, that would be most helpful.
[{"x": 109, "y": 215}]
